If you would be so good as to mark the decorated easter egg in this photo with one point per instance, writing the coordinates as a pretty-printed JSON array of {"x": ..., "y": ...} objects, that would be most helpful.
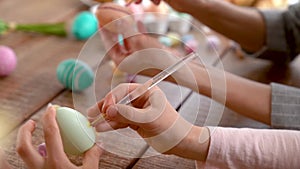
[
  {"x": 8, "y": 60},
  {"x": 180, "y": 22},
  {"x": 75, "y": 74},
  {"x": 165, "y": 41},
  {"x": 190, "y": 43},
  {"x": 213, "y": 42},
  {"x": 76, "y": 132},
  {"x": 84, "y": 25},
  {"x": 175, "y": 37}
]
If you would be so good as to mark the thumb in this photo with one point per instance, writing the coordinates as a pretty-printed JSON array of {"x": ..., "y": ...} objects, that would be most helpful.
[{"x": 91, "y": 157}]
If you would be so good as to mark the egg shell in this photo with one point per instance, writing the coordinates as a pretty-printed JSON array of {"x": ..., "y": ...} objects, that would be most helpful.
[
  {"x": 8, "y": 60},
  {"x": 213, "y": 42},
  {"x": 175, "y": 38},
  {"x": 191, "y": 46},
  {"x": 76, "y": 133},
  {"x": 180, "y": 23},
  {"x": 75, "y": 74},
  {"x": 42, "y": 150},
  {"x": 156, "y": 23},
  {"x": 187, "y": 37},
  {"x": 165, "y": 40},
  {"x": 109, "y": 12},
  {"x": 84, "y": 25}
]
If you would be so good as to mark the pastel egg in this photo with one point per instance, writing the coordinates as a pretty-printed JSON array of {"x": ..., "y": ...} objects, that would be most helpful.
[
  {"x": 190, "y": 43},
  {"x": 76, "y": 132},
  {"x": 175, "y": 38},
  {"x": 8, "y": 60},
  {"x": 84, "y": 25},
  {"x": 213, "y": 42},
  {"x": 75, "y": 74},
  {"x": 165, "y": 41},
  {"x": 187, "y": 37}
]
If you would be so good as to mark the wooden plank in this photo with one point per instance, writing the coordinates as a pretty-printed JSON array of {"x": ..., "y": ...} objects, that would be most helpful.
[
  {"x": 263, "y": 70},
  {"x": 38, "y": 57},
  {"x": 34, "y": 81},
  {"x": 34, "y": 11},
  {"x": 130, "y": 147}
]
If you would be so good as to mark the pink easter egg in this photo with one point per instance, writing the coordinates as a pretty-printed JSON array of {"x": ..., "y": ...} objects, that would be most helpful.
[
  {"x": 191, "y": 46},
  {"x": 8, "y": 60}
]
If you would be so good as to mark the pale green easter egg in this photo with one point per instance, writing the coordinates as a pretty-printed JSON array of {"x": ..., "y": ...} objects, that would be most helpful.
[
  {"x": 84, "y": 25},
  {"x": 75, "y": 74},
  {"x": 76, "y": 132}
]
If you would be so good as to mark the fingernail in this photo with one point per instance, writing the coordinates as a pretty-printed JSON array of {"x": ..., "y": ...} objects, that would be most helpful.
[
  {"x": 42, "y": 150},
  {"x": 49, "y": 105},
  {"x": 113, "y": 97},
  {"x": 32, "y": 122},
  {"x": 103, "y": 106}
]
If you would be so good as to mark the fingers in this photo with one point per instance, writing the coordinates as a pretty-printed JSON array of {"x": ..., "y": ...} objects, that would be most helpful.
[
  {"x": 109, "y": 125},
  {"x": 55, "y": 150},
  {"x": 95, "y": 110},
  {"x": 110, "y": 99},
  {"x": 119, "y": 92},
  {"x": 138, "y": 1},
  {"x": 156, "y": 2},
  {"x": 25, "y": 148},
  {"x": 91, "y": 158}
]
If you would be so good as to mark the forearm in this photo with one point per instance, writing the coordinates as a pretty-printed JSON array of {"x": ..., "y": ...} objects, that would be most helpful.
[
  {"x": 244, "y": 96},
  {"x": 253, "y": 148},
  {"x": 243, "y": 25}
]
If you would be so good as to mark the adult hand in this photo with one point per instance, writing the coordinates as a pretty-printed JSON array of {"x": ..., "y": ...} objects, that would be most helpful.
[
  {"x": 179, "y": 5},
  {"x": 138, "y": 52},
  {"x": 56, "y": 158},
  {"x": 151, "y": 115},
  {"x": 131, "y": 42}
]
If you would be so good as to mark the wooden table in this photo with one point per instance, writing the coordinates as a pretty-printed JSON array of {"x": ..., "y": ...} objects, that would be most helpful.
[{"x": 25, "y": 93}]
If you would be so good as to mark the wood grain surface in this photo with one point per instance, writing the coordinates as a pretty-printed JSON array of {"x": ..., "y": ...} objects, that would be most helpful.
[{"x": 27, "y": 91}]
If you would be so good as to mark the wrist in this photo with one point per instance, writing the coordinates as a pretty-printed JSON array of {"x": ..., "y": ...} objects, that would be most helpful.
[{"x": 195, "y": 145}]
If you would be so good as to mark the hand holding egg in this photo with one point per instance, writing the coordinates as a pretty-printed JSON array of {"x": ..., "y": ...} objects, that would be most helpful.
[
  {"x": 76, "y": 132},
  {"x": 54, "y": 144}
]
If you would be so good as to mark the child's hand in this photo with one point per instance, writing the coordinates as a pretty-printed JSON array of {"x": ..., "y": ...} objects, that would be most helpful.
[
  {"x": 56, "y": 157},
  {"x": 151, "y": 115}
]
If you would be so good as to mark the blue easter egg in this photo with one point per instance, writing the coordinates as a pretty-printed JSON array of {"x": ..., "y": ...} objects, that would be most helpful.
[
  {"x": 75, "y": 74},
  {"x": 165, "y": 41},
  {"x": 85, "y": 25},
  {"x": 187, "y": 38}
]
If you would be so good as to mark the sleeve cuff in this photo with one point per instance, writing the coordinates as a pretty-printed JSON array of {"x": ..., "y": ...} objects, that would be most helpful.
[
  {"x": 285, "y": 107},
  {"x": 276, "y": 44}
]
